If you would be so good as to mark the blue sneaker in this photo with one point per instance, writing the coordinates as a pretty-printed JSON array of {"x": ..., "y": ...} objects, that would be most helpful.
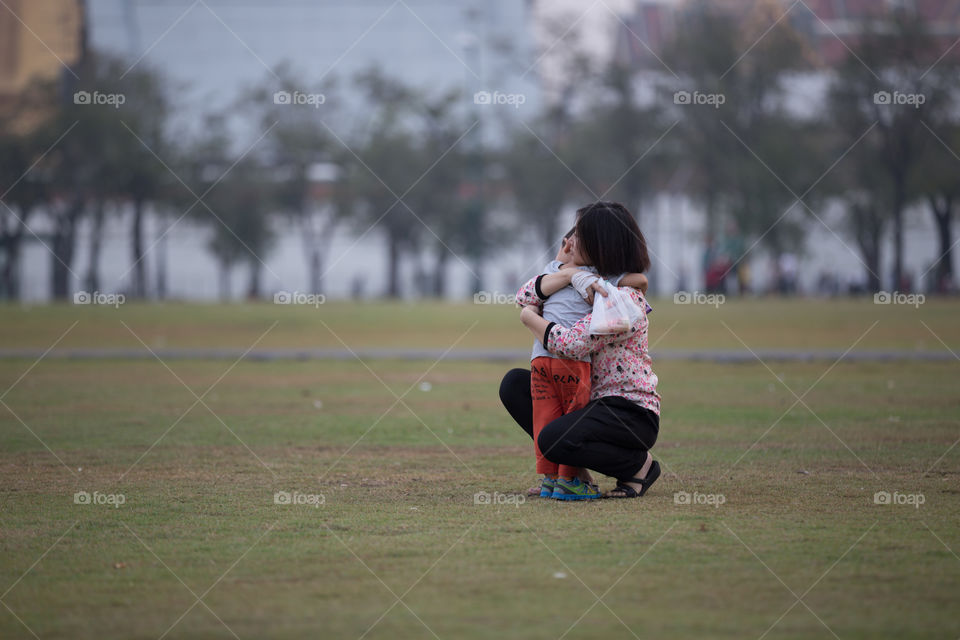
[
  {"x": 547, "y": 487},
  {"x": 575, "y": 489}
]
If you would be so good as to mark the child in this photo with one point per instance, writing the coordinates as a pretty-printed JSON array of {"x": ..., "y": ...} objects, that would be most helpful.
[{"x": 559, "y": 386}]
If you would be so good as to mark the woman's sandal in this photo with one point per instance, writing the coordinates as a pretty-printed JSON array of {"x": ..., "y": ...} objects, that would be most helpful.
[{"x": 624, "y": 490}]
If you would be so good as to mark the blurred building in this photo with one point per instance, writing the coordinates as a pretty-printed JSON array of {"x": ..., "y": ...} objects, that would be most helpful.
[{"x": 39, "y": 39}]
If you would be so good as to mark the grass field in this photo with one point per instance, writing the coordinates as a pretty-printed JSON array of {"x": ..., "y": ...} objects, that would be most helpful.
[{"x": 400, "y": 548}]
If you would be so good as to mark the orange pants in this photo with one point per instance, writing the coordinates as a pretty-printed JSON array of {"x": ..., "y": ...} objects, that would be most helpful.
[{"x": 558, "y": 387}]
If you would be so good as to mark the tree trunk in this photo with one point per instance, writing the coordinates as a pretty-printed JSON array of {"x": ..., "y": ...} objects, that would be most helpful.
[
  {"x": 223, "y": 278},
  {"x": 871, "y": 256},
  {"x": 943, "y": 215},
  {"x": 10, "y": 277},
  {"x": 161, "y": 253},
  {"x": 316, "y": 273},
  {"x": 393, "y": 266},
  {"x": 64, "y": 242},
  {"x": 440, "y": 272},
  {"x": 899, "y": 202},
  {"x": 253, "y": 286},
  {"x": 138, "y": 288},
  {"x": 477, "y": 278},
  {"x": 869, "y": 230},
  {"x": 92, "y": 279}
]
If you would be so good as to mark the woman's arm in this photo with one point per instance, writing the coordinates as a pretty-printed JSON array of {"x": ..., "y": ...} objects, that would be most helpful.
[
  {"x": 634, "y": 281},
  {"x": 538, "y": 325},
  {"x": 576, "y": 342}
]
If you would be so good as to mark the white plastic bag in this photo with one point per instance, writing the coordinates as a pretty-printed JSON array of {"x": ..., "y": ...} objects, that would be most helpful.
[{"x": 615, "y": 313}]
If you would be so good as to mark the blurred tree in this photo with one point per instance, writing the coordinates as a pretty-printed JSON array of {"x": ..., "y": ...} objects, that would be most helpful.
[
  {"x": 860, "y": 190},
  {"x": 384, "y": 163},
  {"x": 539, "y": 182},
  {"x": 937, "y": 180},
  {"x": 543, "y": 167},
  {"x": 616, "y": 137},
  {"x": 24, "y": 179},
  {"x": 892, "y": 83},
  {"x": 238, "y": 216},
  {"x": 98, "y": 159},
  {"x": 306, "y": 160},
  {"x": 448, "y": 195},
  {"x": 236, "y": 197},
  {"x": 748, "y": 153},
  {"x": 139, "y": 172}
]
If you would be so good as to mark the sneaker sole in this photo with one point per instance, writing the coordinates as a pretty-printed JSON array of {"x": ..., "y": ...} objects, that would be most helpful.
[{"x": 572, "y": 496}]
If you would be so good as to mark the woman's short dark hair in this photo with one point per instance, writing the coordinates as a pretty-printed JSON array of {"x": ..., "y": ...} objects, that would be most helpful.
[{"x": 610, "y": 239}]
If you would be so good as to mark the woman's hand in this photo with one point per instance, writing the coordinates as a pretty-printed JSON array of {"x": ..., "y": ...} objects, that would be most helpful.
[
  {"x": 595, "y": 287},
  {"x": 587, "y": 284}
]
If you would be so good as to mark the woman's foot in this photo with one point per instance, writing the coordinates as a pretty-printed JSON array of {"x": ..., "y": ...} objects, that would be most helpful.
[{"x": 639, "y": 483}]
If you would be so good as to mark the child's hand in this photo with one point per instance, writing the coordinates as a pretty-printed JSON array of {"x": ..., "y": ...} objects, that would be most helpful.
[{"x": 527, "y": 313}]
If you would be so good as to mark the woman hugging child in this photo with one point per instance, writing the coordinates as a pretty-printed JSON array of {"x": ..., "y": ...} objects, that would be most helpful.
[{"x": 559, "y": 386}]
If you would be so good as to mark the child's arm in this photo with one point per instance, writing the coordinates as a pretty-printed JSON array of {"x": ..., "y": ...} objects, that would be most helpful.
[{"x": 635, "y": 281}]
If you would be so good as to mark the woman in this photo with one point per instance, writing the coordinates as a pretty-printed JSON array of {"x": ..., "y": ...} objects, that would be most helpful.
[{"x": 614, "y": 432}]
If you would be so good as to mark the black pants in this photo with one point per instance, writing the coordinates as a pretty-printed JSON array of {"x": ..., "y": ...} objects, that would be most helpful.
[{"x": 610, "y": 435}]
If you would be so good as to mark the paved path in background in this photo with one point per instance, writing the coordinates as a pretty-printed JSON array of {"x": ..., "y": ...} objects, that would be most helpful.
[{"x": 479, "y": 355}]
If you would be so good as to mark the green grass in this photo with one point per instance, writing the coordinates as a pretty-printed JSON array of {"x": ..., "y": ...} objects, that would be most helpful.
[
  {"x": 760, "y": 323},
  {"x": 399, "y": 518}
]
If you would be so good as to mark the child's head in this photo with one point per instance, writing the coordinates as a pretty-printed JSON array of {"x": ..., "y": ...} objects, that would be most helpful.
[
  {"x": 569, "y": 251},
  {"x": 608, "y": 238}
]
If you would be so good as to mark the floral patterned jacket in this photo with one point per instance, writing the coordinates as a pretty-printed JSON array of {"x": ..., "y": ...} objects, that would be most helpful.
[{"x": 620, "y": 363}]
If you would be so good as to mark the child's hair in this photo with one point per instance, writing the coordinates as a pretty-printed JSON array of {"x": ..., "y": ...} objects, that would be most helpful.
[{"x": 611, "y": 240}]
